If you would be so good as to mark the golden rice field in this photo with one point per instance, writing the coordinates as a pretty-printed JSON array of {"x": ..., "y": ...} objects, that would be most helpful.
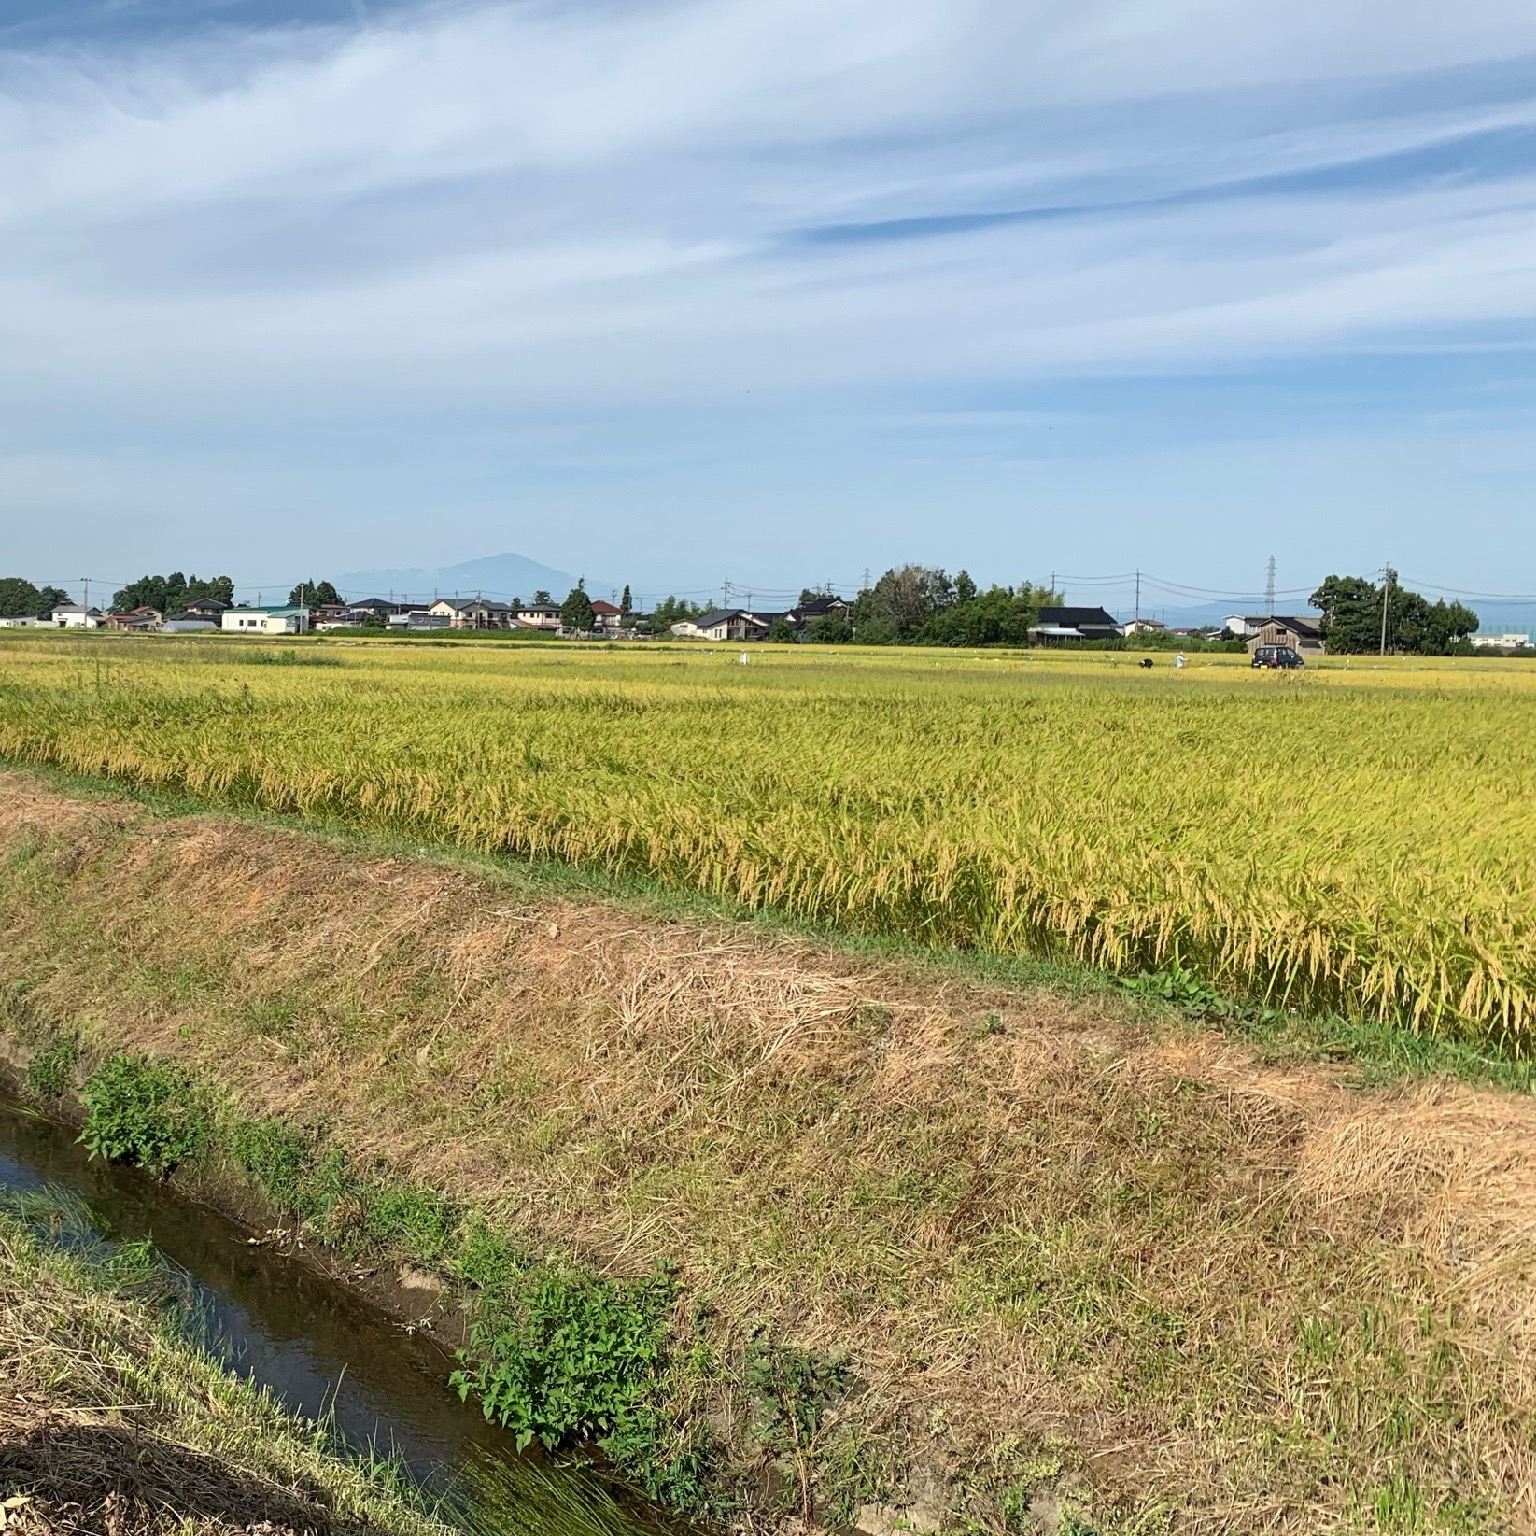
[{"x": 1358, "y": 838}]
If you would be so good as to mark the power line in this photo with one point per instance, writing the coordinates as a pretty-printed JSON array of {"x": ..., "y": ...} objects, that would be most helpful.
[{"x": 1487, "y": 597}]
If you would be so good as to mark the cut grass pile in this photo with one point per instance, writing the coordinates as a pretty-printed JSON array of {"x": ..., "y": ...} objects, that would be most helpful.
[
  {"x": 1354, "y": 840},
  {"x": 1025, "y": 1256}
]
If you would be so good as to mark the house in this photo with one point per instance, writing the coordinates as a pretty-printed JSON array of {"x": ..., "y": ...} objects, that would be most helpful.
[
  {"x": 23, "y": 622},
  {"x": 817, "y": 607},
  {"x": 606, "y": 617},
  {"x": 407, "y": 616},
  {"x": 473, "y": 612},
  {"x": 284, "y": 620},
  {"x": 1301, "y": 635},
  {"x": 722, "y": 624},
  {"x": 76, "y": 616},
  {"x": 1145, "y": 627},
  {"x": 209, "y": 608},
  {"x": 1504, "y": 642},
  {"x": 1055, "y": 625},
  {"x": 540, "y": 615},
  {"x": 1246, "y": 625},
  {"x": 801, "y": 615},
  {"x": 140, "y": 618}
]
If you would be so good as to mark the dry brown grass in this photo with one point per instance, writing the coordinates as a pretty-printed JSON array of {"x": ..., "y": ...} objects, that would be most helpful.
[
  {"x": 1264, "y": 1300},
  {"x": 110, "y": 1428}
]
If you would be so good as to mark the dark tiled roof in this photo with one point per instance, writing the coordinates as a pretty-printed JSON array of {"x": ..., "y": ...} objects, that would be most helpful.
[
  {"x": 818, "y": 606},
  {"x": 1305, "y": 628},
  {"x": 1077, "y": 618}
]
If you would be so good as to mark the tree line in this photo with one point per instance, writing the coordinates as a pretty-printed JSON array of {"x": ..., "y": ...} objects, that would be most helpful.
[
  {"x": 19, "y": 599},
  {"x": 1351, "y": 625},
  {"x": 923, "y": 605},
  {"x": 170, "y": 594}
]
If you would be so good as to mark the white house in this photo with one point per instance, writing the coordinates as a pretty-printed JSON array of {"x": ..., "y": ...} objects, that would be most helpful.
[
  {"x": 722, "y": 624},
  {"x": 1505, "y": 642},
  {"x": 265, "y": 621},
  {"x": 76, "y": 616},
  {"x": 540, "y": 616},
  {"x": 472, "y": 612}
]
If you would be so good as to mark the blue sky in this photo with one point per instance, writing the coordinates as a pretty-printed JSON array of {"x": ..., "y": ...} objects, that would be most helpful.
[{"x": 771, "y": 292}]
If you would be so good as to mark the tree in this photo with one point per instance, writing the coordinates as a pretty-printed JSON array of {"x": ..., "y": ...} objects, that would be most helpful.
[
  {"x": 782, "y": 630},
  {"x": 829, "y": 629},
  {"x": 48, "y": 599},
  {"x": 900, "y": 603},
  {"x": 1351, "y": 623},
  {"x": 1351, "y": 609},
  {"x": 624, "y": 602},
  {"x": 576, "y": 610},
  {"x": 965, "y": 588},
  {"x": 312, "y": 594},
  {"x": 19, "y": 599},
  {"x": 669, "y": 611},
  {"x": 542, "y": 599},
  {"x": 998, "y": 616},
  {"x": 169, "y": 594}
]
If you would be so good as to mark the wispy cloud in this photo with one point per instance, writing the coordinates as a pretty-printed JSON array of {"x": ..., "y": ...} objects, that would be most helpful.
[{"x": 604, "y": 208}]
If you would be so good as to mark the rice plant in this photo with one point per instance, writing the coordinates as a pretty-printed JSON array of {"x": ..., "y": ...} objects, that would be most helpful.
[{"x": 1358, "y": 839}]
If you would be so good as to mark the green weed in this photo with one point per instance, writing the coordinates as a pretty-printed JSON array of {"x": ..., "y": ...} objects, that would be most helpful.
[
  {"x": 568, "y": 1355},
  {"x": 143, "y": 1112}
]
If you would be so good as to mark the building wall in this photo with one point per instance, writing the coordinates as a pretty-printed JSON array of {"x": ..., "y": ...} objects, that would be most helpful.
[
  {"x": 242, "y": 621},
  {"x": 1278, "y": 634}
]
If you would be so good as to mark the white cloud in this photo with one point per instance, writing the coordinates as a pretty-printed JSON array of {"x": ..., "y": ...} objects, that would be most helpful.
[{"x": 525, "y": 207}]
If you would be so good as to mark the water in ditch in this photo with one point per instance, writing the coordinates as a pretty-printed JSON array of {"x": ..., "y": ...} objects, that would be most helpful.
[{"x": 321, "y": 1350}]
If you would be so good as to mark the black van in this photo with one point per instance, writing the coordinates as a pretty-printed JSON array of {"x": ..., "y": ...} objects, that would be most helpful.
[{"x": 1276, "y": 656}]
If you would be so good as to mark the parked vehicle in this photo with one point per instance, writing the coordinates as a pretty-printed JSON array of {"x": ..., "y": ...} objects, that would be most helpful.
[{"x": 1276, "y": 656}]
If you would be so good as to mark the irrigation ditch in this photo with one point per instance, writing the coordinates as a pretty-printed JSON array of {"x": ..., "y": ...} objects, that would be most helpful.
[
  {"x": 883, "y": 1244},
  {"x": 371, "y": 1375}
]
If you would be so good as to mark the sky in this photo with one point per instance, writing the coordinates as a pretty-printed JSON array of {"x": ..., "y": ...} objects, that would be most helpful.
[{"x": 772, "y": 292}]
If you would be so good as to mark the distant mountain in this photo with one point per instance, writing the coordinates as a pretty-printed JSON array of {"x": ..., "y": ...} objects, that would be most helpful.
[
  {"x": 500, "y": 576},
  {"x": 1493, "y": 617}
]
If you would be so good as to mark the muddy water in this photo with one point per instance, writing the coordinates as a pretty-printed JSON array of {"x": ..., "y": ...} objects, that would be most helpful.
[{"x": 316, "y": 1346}]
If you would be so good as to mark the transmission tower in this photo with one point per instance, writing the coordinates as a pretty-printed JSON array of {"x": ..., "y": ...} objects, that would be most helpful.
[{"x": 1269, "y": 588}]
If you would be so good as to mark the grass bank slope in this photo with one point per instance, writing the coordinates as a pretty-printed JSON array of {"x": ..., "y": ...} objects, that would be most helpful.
[
  {"x": 1358, "y": 841},
  {"x": 1056, "y": 1265},
  {"x": 110, "y": 1425}
]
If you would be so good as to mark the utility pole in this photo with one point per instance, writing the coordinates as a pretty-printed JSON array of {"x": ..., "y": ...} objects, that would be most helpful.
[
  {"x": 85, "y": 606},
  {"x": 1138, "y": 593},
  {"x": 1269, "y": 588},
  {"x": 1386, "y": 595}
]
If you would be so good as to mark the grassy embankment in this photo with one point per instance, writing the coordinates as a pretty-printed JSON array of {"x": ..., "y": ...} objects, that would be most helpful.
[
  {"x": 935, "y": 1244},
  {"x": 1353, "y": 840},
  {"x": 110, "y": 1422}
]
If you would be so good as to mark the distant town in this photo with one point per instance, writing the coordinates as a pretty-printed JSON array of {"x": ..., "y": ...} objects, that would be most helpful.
[{"x": 907, "y": 605}]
